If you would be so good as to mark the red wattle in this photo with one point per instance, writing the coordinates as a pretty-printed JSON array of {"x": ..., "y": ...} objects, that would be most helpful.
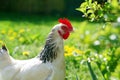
[{"x": 66, "y": 35}]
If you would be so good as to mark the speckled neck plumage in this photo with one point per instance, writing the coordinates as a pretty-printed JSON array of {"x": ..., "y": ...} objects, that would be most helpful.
[{"x": 49, "y": 52}]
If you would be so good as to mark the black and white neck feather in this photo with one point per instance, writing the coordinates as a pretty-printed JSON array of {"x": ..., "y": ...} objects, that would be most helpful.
[{"x": 52, "y": 46}]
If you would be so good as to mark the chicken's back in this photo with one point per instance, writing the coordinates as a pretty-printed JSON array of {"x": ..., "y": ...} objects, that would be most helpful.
[{"x": 32, "y": 69}]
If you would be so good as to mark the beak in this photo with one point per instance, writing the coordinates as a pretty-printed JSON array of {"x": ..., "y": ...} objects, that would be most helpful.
[{"x": 73, "y": 30}]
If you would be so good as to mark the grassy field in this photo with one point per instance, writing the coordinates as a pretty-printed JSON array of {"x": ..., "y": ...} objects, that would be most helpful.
[{"x": 96, "y": 43}]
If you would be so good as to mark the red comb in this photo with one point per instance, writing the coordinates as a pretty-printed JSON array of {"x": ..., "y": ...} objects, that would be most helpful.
[{"x": 66, "y": 22}]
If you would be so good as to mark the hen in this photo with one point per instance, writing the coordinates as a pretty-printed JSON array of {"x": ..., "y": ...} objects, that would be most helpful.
[{"x": 48, "y": 65}]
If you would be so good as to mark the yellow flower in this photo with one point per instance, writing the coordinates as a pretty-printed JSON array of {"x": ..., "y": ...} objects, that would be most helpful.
[
  {"x": 26, "y": 53},
  {"x": 14, "y": 34},
  {"x": 70, "y": 51},
  {"x": 78, "y": 51},
  {"x": 68, "y": 54},
  {"x": 3, "y": 32},
  {"x": 10, "y": 32},
  {"x": 22, "y": 30},
  {"x": 11, "y": 38},
  {"x": 1, "y": 42},
  {"x": 21, "y": 39}
]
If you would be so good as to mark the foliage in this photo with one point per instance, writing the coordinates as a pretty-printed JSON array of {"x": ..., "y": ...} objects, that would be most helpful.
[
  {"x": 104, "y": 43},
  {"x": 101, "y": 10}
]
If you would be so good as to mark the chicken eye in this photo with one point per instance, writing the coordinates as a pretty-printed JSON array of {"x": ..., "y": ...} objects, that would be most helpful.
[{"x": 64, "y": 28}]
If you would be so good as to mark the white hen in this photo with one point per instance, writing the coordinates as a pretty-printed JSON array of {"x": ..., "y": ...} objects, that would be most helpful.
[{"x": 48, "y": 65}]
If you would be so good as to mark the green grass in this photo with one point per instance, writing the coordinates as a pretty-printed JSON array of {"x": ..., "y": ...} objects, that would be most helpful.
[{"x": 28, "y": 33}]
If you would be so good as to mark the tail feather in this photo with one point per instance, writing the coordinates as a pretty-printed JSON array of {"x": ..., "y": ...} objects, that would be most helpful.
[
  {"x": 5, "y": 58},
  {"x": 4, "y": 47},
  {"x": 4, "y": 51}
]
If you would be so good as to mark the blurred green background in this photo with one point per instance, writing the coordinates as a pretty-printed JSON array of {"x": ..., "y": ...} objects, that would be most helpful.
[{"x": 41, "y": 7}]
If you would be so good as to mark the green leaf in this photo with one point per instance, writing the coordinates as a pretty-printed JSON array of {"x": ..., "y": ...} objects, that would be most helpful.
[
  {"x": 100, "y": 13},
  {"x": 81, "y": 9},
  {"x": 83, "y": 5},
  {"x": 92, "y": 15},
  {"x": 114, "y": 3},
  {"x": 90, "y": 1},
  {"x": 90, "y": 11},
  {"x": 93, "y": 75},
  {"x": 87, "y": 53}
]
